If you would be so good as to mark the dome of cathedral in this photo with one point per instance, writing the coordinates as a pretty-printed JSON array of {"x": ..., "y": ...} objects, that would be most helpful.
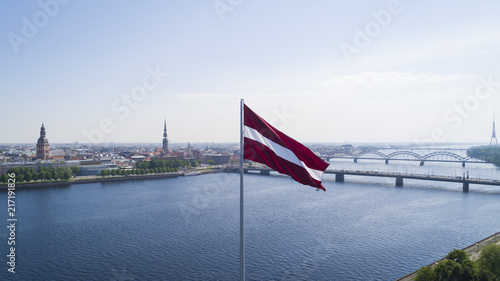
[{"x": 42, "y": 140}]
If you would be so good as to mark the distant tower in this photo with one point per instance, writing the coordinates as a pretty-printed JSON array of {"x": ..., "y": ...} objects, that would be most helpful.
[
  {"x": 42, "y": 146},
  {"x": 165, "y": 140},
  {"x": 493, "y": 134}
]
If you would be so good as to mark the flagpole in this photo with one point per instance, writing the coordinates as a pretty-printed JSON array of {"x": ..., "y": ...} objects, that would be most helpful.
[{"x": 242, "y": 218}]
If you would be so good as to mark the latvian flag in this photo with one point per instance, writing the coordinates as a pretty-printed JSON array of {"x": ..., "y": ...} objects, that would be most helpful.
[{"x": 265, "y": 144}]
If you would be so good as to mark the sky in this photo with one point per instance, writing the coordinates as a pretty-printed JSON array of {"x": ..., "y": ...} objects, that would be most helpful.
[{"x": 320, "y": 71}]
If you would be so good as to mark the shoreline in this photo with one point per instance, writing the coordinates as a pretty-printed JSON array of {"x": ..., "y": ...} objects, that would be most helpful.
[
  {"x": 471, "y": 250},
  {"x": 106, "y": 179}
]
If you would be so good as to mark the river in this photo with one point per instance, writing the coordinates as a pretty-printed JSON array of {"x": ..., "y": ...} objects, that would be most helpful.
[{"x": 187, "y": 228}]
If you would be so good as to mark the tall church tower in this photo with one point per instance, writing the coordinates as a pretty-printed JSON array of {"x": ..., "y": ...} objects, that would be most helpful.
[
  {"x": 165, "y": 140},
  {"x": 42, "y": 146}
]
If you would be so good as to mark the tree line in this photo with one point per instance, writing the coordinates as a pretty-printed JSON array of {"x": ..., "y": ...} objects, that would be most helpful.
[
  {"x": 166, "y": 163},
  {"x": 27, "y": 174},
  {"x": 488, "y": 153},
  {"x": 155, "y": 166},
  {"x": 458, "y": 266}
]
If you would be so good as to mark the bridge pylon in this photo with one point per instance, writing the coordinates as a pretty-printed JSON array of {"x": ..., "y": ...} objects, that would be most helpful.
[
  {"x": 339, "y": 177},
  {"x": 399, "y": 181}
]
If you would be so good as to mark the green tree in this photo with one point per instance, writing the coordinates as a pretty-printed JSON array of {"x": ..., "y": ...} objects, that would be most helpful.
[
  {"x": 67, "y": 175},
  {"x": 20, "y": 178},
  {"x": 13, "y": 170},
  {"x": 211, "y": 162},
  {"x": 488, "y": 153},
  {"x": 41, "y": 175},
  {"x": 103, "y": 173},
  {"x": 35, "y": 176},
  {"x": 4, "y": 178},
  {"x": 460, "y": 256},
  {"x": 486, "y": 276},
  {"x": 75, "y": 170},
  {"x": 48, "y": 175},
  {"x": 28, "y": 176},
  {"x": 489, "y": 259},
  {"x": 447, "y": 270},
  {"x": 426, "y": 273},
  {"x": 457, "y": 255}
]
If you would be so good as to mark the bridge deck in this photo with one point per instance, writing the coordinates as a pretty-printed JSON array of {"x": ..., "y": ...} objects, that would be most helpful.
[
  {"x": 394, "y": 175},
  {"x": 414, "y": 176}
]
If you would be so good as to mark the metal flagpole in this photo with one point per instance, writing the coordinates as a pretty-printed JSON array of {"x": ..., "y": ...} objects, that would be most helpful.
[{"x": 242, "y": 219}]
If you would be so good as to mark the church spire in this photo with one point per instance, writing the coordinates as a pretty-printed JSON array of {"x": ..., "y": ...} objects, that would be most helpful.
[
  {"x": 165, "y": 140},
  {"x": 165, "y": 129},
  {"x": 42, "y": 131}
]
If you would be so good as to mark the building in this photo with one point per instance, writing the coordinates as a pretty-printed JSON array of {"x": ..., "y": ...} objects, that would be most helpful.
[
  {"x": 138, "y": 158},
  {"x": 218, "y": 159},
  {"x": 165, "y": 140},
  {"x": 57, "y": 155},
  {"x": 42, "y": 146}
]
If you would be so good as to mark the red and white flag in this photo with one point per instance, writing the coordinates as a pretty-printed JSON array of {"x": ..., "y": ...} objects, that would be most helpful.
[{"x": 267, "y": 145}]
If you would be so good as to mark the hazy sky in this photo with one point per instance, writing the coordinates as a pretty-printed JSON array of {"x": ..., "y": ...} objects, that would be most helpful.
[{"x": 322, "y": 71}]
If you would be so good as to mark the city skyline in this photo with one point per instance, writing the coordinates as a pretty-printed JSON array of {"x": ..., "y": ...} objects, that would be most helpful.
[{"x": 331, "y": 72}]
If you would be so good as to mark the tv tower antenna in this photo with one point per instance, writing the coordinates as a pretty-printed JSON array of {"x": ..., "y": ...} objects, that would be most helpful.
[{"x": 493, "y": 134}]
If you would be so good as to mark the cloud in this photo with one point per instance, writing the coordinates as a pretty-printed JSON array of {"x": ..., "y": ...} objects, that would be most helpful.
[{"x": 370, "y": 81}]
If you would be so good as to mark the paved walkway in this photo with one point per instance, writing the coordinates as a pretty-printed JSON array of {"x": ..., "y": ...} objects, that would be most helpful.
[{"x": 472, "y": 250}]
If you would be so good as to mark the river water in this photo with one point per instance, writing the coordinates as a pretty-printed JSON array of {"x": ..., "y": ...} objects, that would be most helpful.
[{"x": 187, "y": 228}]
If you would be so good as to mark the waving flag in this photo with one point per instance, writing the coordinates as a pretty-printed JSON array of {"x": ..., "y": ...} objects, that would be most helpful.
[{"x": 267, "y": 145}]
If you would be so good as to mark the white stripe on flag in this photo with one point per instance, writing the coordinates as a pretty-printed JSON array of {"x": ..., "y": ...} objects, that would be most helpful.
[{"x": 281, "y": 151}]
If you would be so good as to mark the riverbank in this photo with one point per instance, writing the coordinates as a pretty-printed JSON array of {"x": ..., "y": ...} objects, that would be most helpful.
[
  {"x": 488, "y": 153},
  {"x": 471, "y": 250},
  {"x": 95, "y": 179}
]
